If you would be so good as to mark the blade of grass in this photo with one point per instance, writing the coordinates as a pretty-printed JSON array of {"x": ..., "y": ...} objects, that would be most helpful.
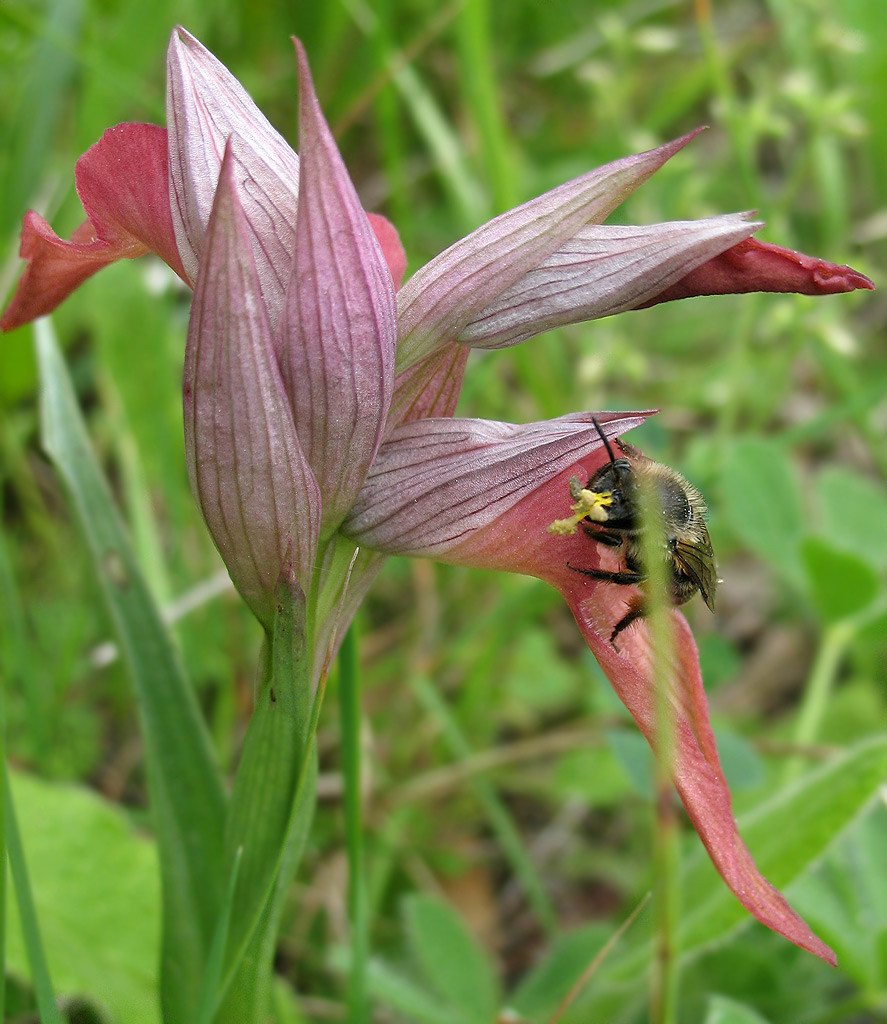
[
  {"x": 390, "y": 127},
  {"x": 30, "y": 132},
  {"x": 666, "y": 851},
  {"x": 358, "y": 917},
  {"x": 443, "y": 143},
  {"x": 500, "y": 820},
  {"x": 477, "y": 59},
  {"x": 46, "y": 1004},
  {"x": 187, "y": 798}
]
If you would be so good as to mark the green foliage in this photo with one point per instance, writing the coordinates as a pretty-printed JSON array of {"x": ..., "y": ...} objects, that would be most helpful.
[
  {"x": 96, "y": 890},
  {"x": 726, "y": 1011},
  {"x": 762, "y": 502},
  {"x": 454, "y": 967}
]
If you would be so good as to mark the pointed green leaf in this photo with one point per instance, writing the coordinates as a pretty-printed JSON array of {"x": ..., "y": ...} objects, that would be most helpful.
[
  {"x": 820, "y": 807},
  {"x": 186, "y": 793},
  {"x": 272, "y": 799},
  {"x": 727, "y": 1011},
  {"x": 853, "y": 510},
  {"x": 456, "y": 967},
  {"x": 47, "y": 1008}
]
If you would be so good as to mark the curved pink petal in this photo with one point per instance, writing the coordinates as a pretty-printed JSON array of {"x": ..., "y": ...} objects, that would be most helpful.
[
  {"x": 753, "y": 266},
  {"x": 429, "y": 388},
  {"x": 122, "y": 182},
  {"x": 205, "y": 106}
]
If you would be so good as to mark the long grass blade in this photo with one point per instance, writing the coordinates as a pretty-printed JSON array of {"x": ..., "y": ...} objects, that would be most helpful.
[
  {"x": 47, "y": 1007},
  {"x": 186, "y": 792}
]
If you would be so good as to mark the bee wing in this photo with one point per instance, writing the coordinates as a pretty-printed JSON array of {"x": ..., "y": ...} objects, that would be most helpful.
[{"x": 697, "y": 560}]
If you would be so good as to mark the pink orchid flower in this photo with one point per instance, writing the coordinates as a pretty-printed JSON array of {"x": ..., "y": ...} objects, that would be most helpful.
[{"x": 319, "y": 401}]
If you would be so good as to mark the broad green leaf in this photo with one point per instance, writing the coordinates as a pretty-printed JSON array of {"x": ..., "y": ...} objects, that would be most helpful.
[
  {"x": 284, "y": 1007},
  {"x": 853, "y": 511},
  {"x": 454, "y": 965},
  {"x": 542, "y": 990},
  {"x": 391, "y": 988},
  {"x": 187, "y": 799},
  {"x": 741, "y": 762},
  {"x": 633, "y": 754},
  {"x": 845, "y": 900},
  {"x": 96, "y": 891},
  {"x": 726, "y": 1011},
  {"x": 841, "y": 584},
  {"x": 592, "y": 774},
  {"x": 762, "y": 502}
]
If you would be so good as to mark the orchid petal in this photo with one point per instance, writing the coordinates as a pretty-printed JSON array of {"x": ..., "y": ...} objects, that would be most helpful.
[
  {"x": 511, "y": 534},
  {"x": 122, "y": 182},
  {"x": 753, "y": 266},
  {"x": 429, "y": 388},
  {"x": 437, "y": 483},
  {"x": 442, "y": 298},
  {"x": 339, "y": 330},
  {"x": 602, "y": 270},
  {"x": 246, "y": 466},
  {"x": 696, "y": 768},
  {"x": 205, "y": 106}
]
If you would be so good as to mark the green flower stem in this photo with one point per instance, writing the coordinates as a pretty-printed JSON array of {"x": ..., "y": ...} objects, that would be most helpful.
[
  {"x": 271, "y": 802},
  {"x": 666, "y": 901},
  {"x": 350, "y": 718},
  {"x": 835, "y": 639}
]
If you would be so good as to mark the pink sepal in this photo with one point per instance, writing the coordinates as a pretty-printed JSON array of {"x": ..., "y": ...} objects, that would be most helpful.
[
  {"x": 122, "y": 182},
  {"x": 753, "y": 266}
]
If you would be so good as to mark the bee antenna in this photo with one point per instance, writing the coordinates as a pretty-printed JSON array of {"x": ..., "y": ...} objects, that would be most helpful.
[{"x": 603, "y": 437}]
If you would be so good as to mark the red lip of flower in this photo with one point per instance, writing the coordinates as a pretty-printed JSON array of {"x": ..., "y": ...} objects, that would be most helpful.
[{"x": 318, "y": 405}]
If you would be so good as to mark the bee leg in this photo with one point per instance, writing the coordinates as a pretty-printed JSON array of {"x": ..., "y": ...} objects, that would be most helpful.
[
  {"x": 635, "y": 612},
  {"x": 623, "y": 578},
  {"x": 612, "y": 540}
]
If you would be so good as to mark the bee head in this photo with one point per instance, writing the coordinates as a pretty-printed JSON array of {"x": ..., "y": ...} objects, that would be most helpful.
[{"x": 617, "y": 478}]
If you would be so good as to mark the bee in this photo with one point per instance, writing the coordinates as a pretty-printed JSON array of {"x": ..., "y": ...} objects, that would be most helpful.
[{"x": 612, "y": 501}]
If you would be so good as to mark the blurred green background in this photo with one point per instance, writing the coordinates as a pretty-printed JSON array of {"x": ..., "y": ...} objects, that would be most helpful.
[{"x": 507, "y": 798}]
